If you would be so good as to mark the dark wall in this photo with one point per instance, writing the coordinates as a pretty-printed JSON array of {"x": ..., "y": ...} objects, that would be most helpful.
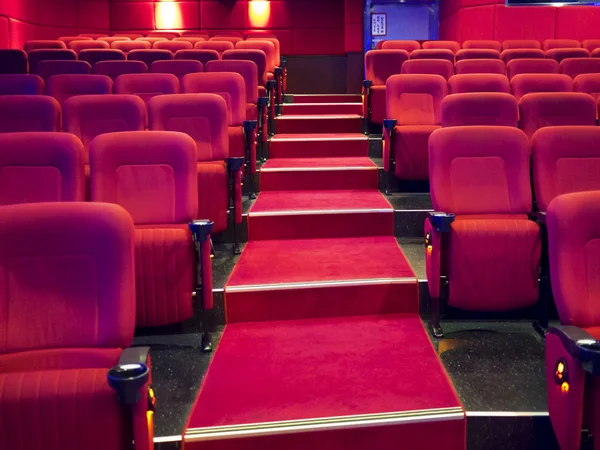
[{"x": 325, "y": 74}]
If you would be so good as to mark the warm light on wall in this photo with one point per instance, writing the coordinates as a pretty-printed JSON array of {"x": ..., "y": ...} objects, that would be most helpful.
[
  {"x": 168, "y": 15},
  {"x": 259, "y": 12}
]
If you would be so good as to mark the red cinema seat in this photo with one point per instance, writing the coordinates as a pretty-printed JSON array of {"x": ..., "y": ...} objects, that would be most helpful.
[
  {"x": 258, "y": 34},
  {"x": 483, "y": 238},
  {"x": 78, "y": 46},
  {"x": 113, "y": 69},
  {"x": 258, "y": 57},
  {"x": 433, "y": 54},
  {"x": 571, "y": 347},
  {"x": 546, "y": 109},
  {"x": 20, "y": 113},
  {"x": 67, "y": 39},
  {"x": 226, "y": 33},
  {"x": 413, "y": 112},
  {"x": 379, "y": 45},
  {"x": 440, "y": 67},
  {"x": 379, "y": 66},
  {"x": 40, "y": 167},
  {"x": 202, "y": 56},
  {"x": 149, "y": 56},
  {"x": 111, "y": 40},
  {"x": 92, "y": 35},
  {"x": 94, "y": 56},
  {"x": 595, "y": 53},
  {"x": 453, "y": 46},
  {"x": 477, "y": 53},
  {"x": 274, "y": 72},
  {"x": 588, "y": 83},
  {"x": 147, "y": 85},
  {"x": 193, "y": 33},
  {"x": 409, "y": 46},
  {"x": 44, "y": 45},
  {"x": 62, "y": 87},
  {"x": 521, "y": 53},
  {"x": 578, "y": 66},
  {"x": 467, "y": 66},
  {"x": 591, "y": 44},
  {"x": 219, "y": 46},
  {"x": 550, "y": 44},
  {"x": 151, "y": 40},
  {"x": 164, "y": 34},
  {"x": 21, "y": 85},
  {"x": 35, "y": 56},
  {"x": 233, "y": 39},
  {"x": 177, "y": 67},
  {"x": 127, "y": 46},
  {"x": 75, "y": 262},
  {"x": 559, "y": 54},
  {"x": 478, "y": 82},
  {"x": 510, "y": 44},
  {"x": 131, "y": 36},
  {"x": 192, "y": 40},
  {"x": 480, "y": 108},
  {"x": 172, "y": 46},
  {"x": 540, "y": 82},
  {"x": 482, "y": 44},
  {"x": 275, "y": 43},
  {"x": 521, "y": 66},
  {"x": 13, "y": 61},
  {"x": 49, "y": 68}
]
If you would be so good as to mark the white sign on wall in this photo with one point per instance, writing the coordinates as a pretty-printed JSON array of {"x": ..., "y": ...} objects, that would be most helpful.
[{"x": 379, "y": 24}]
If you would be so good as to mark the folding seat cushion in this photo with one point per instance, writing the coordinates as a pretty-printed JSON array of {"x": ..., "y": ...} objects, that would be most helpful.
[
  {"x": 13, "y": 60},
  {"x": 577, "y": 66},
  {"x": 414, "y": 102},
  {"x": 440, "y": 67},
  {"x": 233, "y": 39},
  {"x": 588, "y": 83},
  {"x": 62, "y": 87},
  {"x": 522, "y": 53},
  {"x": 565, "y": 159},
  {"x": 266, "y": 47},
  {"x": 40, "y": 167},
  {"x": 559, "y": 54},
  {"x": 35, "y": 56},
  {"x": 19, "y": 113},
  {"x": 520, "y": 43},
  {"x": 173, "y": 46},
  {"x": 467, "y": 66},
  {"x": 164, "y": 34},
  {"x": 178, "y": 67},
  {"x": 113, "y": 39},
  {"x": 379, "y": 66},
  {"x": 67, "y": 39},
  {"x": 219, "y": 46},
  {"x": 147, "y": 85},
  {"x": 43, "y": 45},
  {"x": 546, "y": 109},
  {"x": 192, "y": 40},
  {"x": 448, "y": 45},
  {"x": 478, "y": 82},
  {"x": 202, "y": 56},
  {"x": 77, "y": 46},
  {"x": 49, "y": 68},
  {"x": 149, "y": 56},
  {"x": 526, "y": 83},
  {"x": 94, "y": 56},
  {"x": 534, "y": 65},
  {"x": 483, "y": 44},
  {"x": 409, "y": 46},
  {"x": 127, "y": 46},
  {"x": 550, "y": 44},
  {"x": 113, "y": 69},
  {"x": 480, "y": 108},
  {"x": 21, "y": 85},
  {"x": 153, "y": 176},
  {"x": 151, "y": 40},
  {"x": 185, "y": 113},
  {"x": 477, "y": 53},
  {"x": 433, "y": 53}
]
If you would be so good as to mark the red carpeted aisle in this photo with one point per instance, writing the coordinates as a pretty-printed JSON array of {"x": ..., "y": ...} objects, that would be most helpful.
[{"x": 324, "y": 348}]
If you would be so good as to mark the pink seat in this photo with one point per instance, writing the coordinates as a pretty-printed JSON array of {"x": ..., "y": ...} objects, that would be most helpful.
[
  {"x": 192, "y": 33},
  {"x": 433, "y": 54},
  {"x": 13, "y": 61},
  {"x": 577, "y": 66},
  {"x": 149, "y": 56},
  {"x": 478, "y": 82},
  {"x": 559, "y": 54},
  {"x": 546, "y": 109},
  {"x": 202, "y": 56},
  {"x": 179, "y": 67},
  {"x": 172, "y": 46},
  {"x": 164, "y": 34},
  {"x": 595, "y": 53},
  {"x": 78, "y": 46},
  {"x": 520, "y": 43},
  {"x": 127, "y": 46},
  {"x": 112, "y": 39},
  {"x": 49, "y": 68},
  {"x": 147, "y": 85},
  {"x": 219, "y": 46},
  {"x": 62, "y": 87},
  {"x": 521, "y": 53},
  {"x": 266, "y": 46},
  {"x": 40, "y": 167},
  {"x": 129, "y": 35},
  {"x": 92, "y": 35},
  {"x": 467, "y": 66},
  {"x": 550, "y": 44},
  {"x": 67, "y": 39},
  {"x": 481, "y": 175},
  {"x": 21, "y": 85},
  {"x": 258, "y": 57},
  {"x": 19, "y": 113},
  {"x": 409, "y": 46},
  {"x": 453, "y": 46},
  {"x": 94, "y": 56},
  {"x": 520, "y": 66},
  {"x": 483, "y": 44},
  {"x": 151, "y": 40},
  {"x": 480, "y": 108},
  {"x": 540, "y": 82},
  {"x": 191, "y": 39},
  {"x": 44, "y": 45},
  {"x": 588, "y": 83},
  {"x": 440, "y": 67},
  {"x": 35, "y": 56},
  {"x": 477, "y": 53},
  {"x": 227, "y": 33},
  {"x": 113, "y": 69},
  {"x": 275, "y": 43},
  {"x": 233, "y": 39}
]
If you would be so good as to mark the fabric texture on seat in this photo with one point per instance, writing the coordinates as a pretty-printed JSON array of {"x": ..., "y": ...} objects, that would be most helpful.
[
  {"x": 112, "y": 39},
  {"x": 35, "y": 56},
  {"x": 94, "y": 56},
  {"x": 483, "y": 44},
  {"x": 78, "y": 46},
  {"x": 13, "y": 61},
  {"x": 531, "y": 65},
  {"x": 521, "y": 53},
  {"x": 550, "y": 44},
  {"x": 433, "y": 54},
  {"x": 233, "y": 39},
  {"x": 202, "y": 56},
  {"x": 247, "y": 69},
  {"x": 477, "y": 53},
  {"x": 173, "y": 46},
  {"x": 409, "y": 46},
  {"x": 527, "y": 83},
  {"x": 49, "y": 68},
  {"x": 62, "y": 87},
  {"x": 113, "y": 69},
  {"x": 43, "y": 45},
  {"x": 258, "y": 57},
  {"x": 591, "y": 44},
  {"x": 559, "y": 54},
  {"x": 177, "y": 67},
  {"x": 218, "y": 46},
  {"x": 67, "y": 39},
  {"x": 481, "y": 108},
  {"x": 381, "y": 64},
  {"x": 19, "y": 113},
  {"x": 127, "y": 46},
  {"x": 510, "y": 44},
  {"x": 265, "y": 46},
  {"x": 147, "y": 85},
  {"x": 21, "y": 84},
  {"x": 480, "y": 82},
  {"x": 467, "y": 66},
  {"x": 440, "y": 67},
  {"x": 578, "y": 66},
  {"x": 453, "y": 46},
  {"x": 149, "y": 56},
  {"x": 588, "y": 83}
]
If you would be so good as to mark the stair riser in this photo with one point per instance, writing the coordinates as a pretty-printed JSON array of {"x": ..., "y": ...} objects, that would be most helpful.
[
  {"x": 348, "y": 108},
  {"x": 321, "y": 180},
  {"x": 327, "y": 98},
  {"x": 318, "y": 125},
  {"x": 319, "y": 149}
]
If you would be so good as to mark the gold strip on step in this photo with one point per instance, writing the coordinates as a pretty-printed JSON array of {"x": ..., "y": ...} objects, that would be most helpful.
[
  {"x": 319, "y": 284},
  {"x": 304, "y": 212},
  {"x": 374, "y": 168}
]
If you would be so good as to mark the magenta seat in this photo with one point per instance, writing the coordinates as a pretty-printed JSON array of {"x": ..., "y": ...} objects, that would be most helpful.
[
  {"x": 94, "y": 56},
  {"x": 409, "y": 46},
  {"x": 78, "y": 46},
  {"x": 540, "y": 82},
  {"x": 172, "y": 46},
  {"x": 113, "y": 69},
  {"x": 550, "y": 44},
  {"x": 49, "y": 68},
  {"x": 62, "y": 87},
  {"x": 202, "y": 56},
  {"x": 21, "y": 85},
  {"x": 164, "y": 34},
  {"x": 521, "y": 53},
  {"x": 477, "y": 53},
  {"x": 453, "y": 46},
  {"x": 577, "y": 66},
  {"x": 534, "y": 65},
  {"x": 151, "y": 40},
  {"x": 467, "y": 66},
  {"x": 149, "y": 56},
  {"x": 112, "y": 39},
  {"x": 35, "y": 56},
  {"x": 440, "y": 67},
  {"x": 559, "y": 54},
  {"x": 219, "y": 46},
  {"x": 510, "y": 44},
  {"x": 13, "y": 61},
  {"x": 483, "y": 44},
  {"x": 191, "y": 39},
  {"x": 478, "y": 82},
  {"x": 67, "y": 39},
  {"x": 147, "y": 85},
  {"x": 591, "y": 44},
  {"x": 440, "y": 53},
  {"x": 588, "y": 83},
  {"x": 127, "y": 46},
  {"x": 129, "y": 35},
  {"x": 233, "y": 39},
  {"x": 20, "y": 113},
  {"x": 177, "y": 67},
  {"x": 480, "y": 108},
  {"x": 44, "y": 45}
]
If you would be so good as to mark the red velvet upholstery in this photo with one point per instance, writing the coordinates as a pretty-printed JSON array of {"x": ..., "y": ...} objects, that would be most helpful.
[
  {"x": 526, "y": 83},
  {"x": 113, "y": 69},
  {"x": 482, "y": 44},
  {"x": 94, "y": 56},
  {"x": 588, "y": 83},
  {"x": 549, "y": 44},
  {"x": 559, "y": 54},
  {"x": 43, "y": 45},
  {"x": 114, "y": 39},
  {"x": 433, "y": 54},
  {"x": 149, "y": 56},
  {"x": 448, "y": 45},
  {"x": 591, "y": 44},
  {"x": 547, "y": 109},
  {"x": 28, "y": 113},
  {"x": 93, "y": 35},
  {"x": 62, "y": 87},
  {"x": 521, "y": 66},
  {"x": 179, "y": 67},
  {"x": 266, "y": 46},
  {"x": 127, "y": 46},
  {"x": 565, "y": 160},
  {"x": 409, "y": 46},
  {"x": 467, "y": 66},
  {"x": 247, "y": 69},
  {"x": 477, "y": 53},
  {"x": 129, "y": 35},
  {"x": 440, "y": 67},
  {"x": 275, "y": 43},
  {"x": 190, "y": 39},
  {"x": 147, "y": 85},
  {"x": 478, "y": 82},
  {"x": 49, "y": 68},
  {"x": 520, "y": 43},
  {"x": 35, "y": 56},
  {"x": 151, "y": 40},
  {"x": 40, "y": 167},
  {"x": 481, "y": 108},
  {"x": 163, "y": 34},
  {"x": 13, "y": 61},
  {"x": 522, "y": 53},
  {"x": 21, "y": 85},
  {"x": 577, "y": 66},
  {"x": 173, "y": 46},
  {"x": 153, "y": 176},
  {"x": 219, "y": 46},
  {"x": 67, "y": 39},
  {"x": 233, "y": 39},
  {"x": 77, "y": 46},
  {"x": 595, "y": 53},
  {"x": 202, "y": 56}
]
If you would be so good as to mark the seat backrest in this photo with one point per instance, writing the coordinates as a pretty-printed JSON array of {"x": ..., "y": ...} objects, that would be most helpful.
[
  {"x": 173, "y": 46},
  {"x": 127, "y": 46},
  {"x": 202, "y": 56},
  {"x": 164, "y": 34},
  {"x": 591, "y": 44},
  {"x": 44, "y": 45},
  {"x": 62, "y": 87},
  {"x": 219, "y": 46},
  {"x": 275, "y": 43},
  {"x": 147, "y": 85},
  {"x": 247, "y": 69},
  {"x": 574, "y": 256},
  {"x": 93, "y": 35},
  {"x": 226, "y": 33},
  {"x": 88, "y": 116},
  {"x": 77, "y": 46},
  {"x": 546, "y": 109},
  {"x": 13, "y": 61},
  {"x": 382, "y": 64},
  {"x": 178, "y": 67},
  {"x": 193, "y": 33},
  {"x": 94, "y": 56},
  {"x": 266, "y": 46},
  {"x": 478, "y": 82},
  {"x": 258, "y": 57},
  {"x": 577, "y": 66},
  {"x": 19, "y": 113},
  {"x": 477, "y": 53},
  {"x": 230, "y": 86},
  {"x": 531, "y": 65},
  {"x": 559, "y": 54},
  {"x": 152, "y": 40},
  {"x": 40, "y": 167},
  {"x": 113, "y": 39},
  {"x": 203, "y": 117},
  {"x": 129, "y": 35},
  {"x": 440, "y": 67},
  {"x": 526, "y": 83},
  {"x": 35, "y": 56},
  {"x": 510, "y": 44},
  {"x": 588, "y": 83},
  {"x": 433, "y": 53},
  {"x": 21, "y": 85},
  {"x": 480, "y": 108},
  {"x": 152, "y": 174},
  {"x": 480, "y": 66},
  {"x": 191, "y": 39},
  {"x": 480, "y": 170},
  {"x": 113, "y": 69},
  {"x": 74, "y": 262},
  {"x": 149, "y": 56},
  {"x": 521, "y": 53},
  {"x": 550, "y": 44},
  {"x": 67, "y": 39},
  {"x": 483, "y": 44},
  {"x": 233, "y": 39},
  {"x": 415, "y": 99},
  {"x": 409, "y": 46},
  {"x": 49, "y": 68},
  {"x": 448, "y": 45}
]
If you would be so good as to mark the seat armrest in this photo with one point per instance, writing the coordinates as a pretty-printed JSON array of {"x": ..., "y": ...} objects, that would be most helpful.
[
  {"x": 263, "y": 101},
  {"x": 128, "y": 379},
  {"x": 134, "y": 355},
  {"x": 539, "y": 217},
  {"x": 441, "y": 221},
  {"x": 389, "y": 125},
  {"x": 367, "y": 84},
  {"x": 581, "y": 345}
]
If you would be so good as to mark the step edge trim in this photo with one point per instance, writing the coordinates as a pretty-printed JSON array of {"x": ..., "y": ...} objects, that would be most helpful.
[
  {"x": 313, "y": 212},
  {"x": 317, "y": 169},
  {"x": 318, "y": 284},
  {"x": 317, "y": 139}
]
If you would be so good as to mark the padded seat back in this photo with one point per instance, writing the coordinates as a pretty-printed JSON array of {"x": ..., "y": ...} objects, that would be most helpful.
[
  {"x": 67, "y": 39},
  {"x": 577, "y": 66},
  {"x": 179, "y": 67},
  {"x": 247, "y": 69},
  {"x": 550, "y": 44},
  {"x": 151, "y": 40},
  {"x": 540, "y": 82},
  {"x": 409, "y": 46},
  {"x": 440, "y": 67},
  {"x": 478, "y": 82},
  {"x": 521, "y": 53},
  {"x": 191, "y": 39},
  {"x": 35, "y": 56},
  {"x": 477, "y": 53},
  {"x": 531, "y": 65},
  {"x": 382, "y": 64},
  {"x": 19, "y": 113},
  {"x": 78, "y": 46},
  {"x": 415, "y": 99},
  {"x": 173, "y": 46},
  {"x": 13, "y": 61},
  {"x": 588, "y": 83},
  {"x": 483, "y": 44},
  {"x": 94, "y": 56},
  {"x": 113, "y": 69},
  {"x": 149, "y": 56},
  {"x": 44, "y": 45},
  {"x": 112, "y": 39},
  {"x": 266, "y": 46},
  {"x": 591, "y": 44},
  {"x": 481, "y": 108},
  {"x": 202, "y": 56},
  {"x": 147, "y": 85},
  {"x": 218, "y": 46},
  {"x": 127, "y": 46},
  {"x": 275, "y": 43},
  {"x": 62, "y": 87},
  {"x": 164, "y": 34},
  {"x": 559, "y": 54},
  {"x": 21, "y": 85},
  {"x": 49, "y": 68},
  {"x": 131, "y": 36},
  {"x": 233, "y": 39},
  {"x": 510, "y": 44},
  {"x": 453, "y": 46},
  {"x": 466, "y": 66},
  {"x": 433, "y": 54}
]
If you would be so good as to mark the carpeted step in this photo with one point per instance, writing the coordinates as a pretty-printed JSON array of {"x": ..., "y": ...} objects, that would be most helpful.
[
  {"x": 320, "y": 214},
  {"x": 322, "y": 108},
  {"x": 318, "y": 145},
  {"x": 288, "y": 174},
  {"x": 338, "y": 384},
  {"x": 327, "y": 98},
  {"x": 324, "y": 123}
]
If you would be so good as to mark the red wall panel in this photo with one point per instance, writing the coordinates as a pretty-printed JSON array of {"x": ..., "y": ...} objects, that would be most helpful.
[
  {"x": 578, "y": 22},
  {"x": 524, "y": 22},
  {"x": 477, "y": 22},
  {"x": 93, "y": 15},
  {"x": 218, "y": 15},
  {"x": 4, "y": 38},
  {"x": 131, "y": 15},
  {"x": 325, "y": 42}
]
